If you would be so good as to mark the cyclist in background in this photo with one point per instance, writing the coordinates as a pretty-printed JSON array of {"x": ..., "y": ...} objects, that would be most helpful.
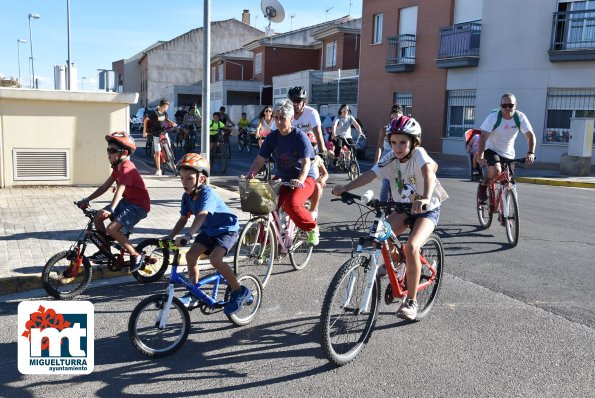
[
  {"x": 265, "y": 123},
  {"x": 243, "y": 124},
  {"x": 292, "y": 151},
  {"x": 341, "y": 134},
  {"x": 498, "y": 134},
  {"x": 154, "y": 124},
  {"x": 321, "y": 176},
  {"x": 216, "y": 225},
  {"x": 130, "y": 203},
  {"x": 414, "y": 176},
  {"x": 190, "y": 119},
  {"x": 215, "y": 128},
  {"x": 384, "y": 147}
]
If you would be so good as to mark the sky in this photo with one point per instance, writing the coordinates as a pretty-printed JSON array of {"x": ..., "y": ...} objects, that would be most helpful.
[{"x": 109, "y": 30}]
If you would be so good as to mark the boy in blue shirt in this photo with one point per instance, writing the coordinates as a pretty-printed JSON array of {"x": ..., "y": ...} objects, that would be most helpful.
[{"x": 218, "y": 228}]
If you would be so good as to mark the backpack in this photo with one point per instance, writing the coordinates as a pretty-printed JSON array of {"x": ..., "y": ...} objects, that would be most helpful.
[{"x": 515, "y": 116}]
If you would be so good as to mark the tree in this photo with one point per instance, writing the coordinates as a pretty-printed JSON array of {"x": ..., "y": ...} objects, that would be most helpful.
[{"x": 9, "y": 82}]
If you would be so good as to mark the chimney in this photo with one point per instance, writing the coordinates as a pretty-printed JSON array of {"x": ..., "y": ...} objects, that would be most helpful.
[{"x": 246, "y": 17}]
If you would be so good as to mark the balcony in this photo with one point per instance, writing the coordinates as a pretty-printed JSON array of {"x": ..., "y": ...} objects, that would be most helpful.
[
  {"x": 459, "y": 45},
  {"x": 400, "y": 54},
  {"x": 573, "y": 36}
]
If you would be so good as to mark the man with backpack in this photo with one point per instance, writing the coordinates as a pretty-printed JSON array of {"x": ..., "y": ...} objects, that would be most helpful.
[{"x": 498, "y": 135}]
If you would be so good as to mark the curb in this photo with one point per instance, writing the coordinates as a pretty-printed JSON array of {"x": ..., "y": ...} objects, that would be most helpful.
[{"x": 556, "y": 182}]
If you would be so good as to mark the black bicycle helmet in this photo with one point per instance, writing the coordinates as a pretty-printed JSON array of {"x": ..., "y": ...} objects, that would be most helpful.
[{"x": 296, "y": 92}]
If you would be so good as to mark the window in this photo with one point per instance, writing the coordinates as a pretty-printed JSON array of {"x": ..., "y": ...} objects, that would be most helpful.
[
  {"x": 562, "y": 105},
  {"x": 405, "y": 99},
  {"x": 461, "y": 112},
  {"x": 213, "y": 74},
  {"x": 377, "y": 30},
  {"x": 258, "y": 63},
  {"x": 331, "y": 54},
  {"x": 220, "y": 76}
]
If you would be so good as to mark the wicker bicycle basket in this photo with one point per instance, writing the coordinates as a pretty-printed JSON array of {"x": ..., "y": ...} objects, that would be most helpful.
[{"x": 258, "y": 197}]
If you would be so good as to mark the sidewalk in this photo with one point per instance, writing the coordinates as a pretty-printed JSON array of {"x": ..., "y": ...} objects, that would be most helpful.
[{"x": 38, "y": 222}]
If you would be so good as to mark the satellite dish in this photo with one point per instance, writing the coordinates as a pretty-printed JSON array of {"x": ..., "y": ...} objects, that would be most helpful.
[{"x": 273, "y": 11}]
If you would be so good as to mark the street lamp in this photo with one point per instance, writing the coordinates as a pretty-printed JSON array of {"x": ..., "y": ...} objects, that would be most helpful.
[
  {"x": 34, "y": 16},
  {"x": 19, "y": 41},
  {"x": 82, "y": 81}
]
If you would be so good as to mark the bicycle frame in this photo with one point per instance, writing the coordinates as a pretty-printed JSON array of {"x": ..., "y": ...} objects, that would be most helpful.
[{"x": 506, "y": 183}]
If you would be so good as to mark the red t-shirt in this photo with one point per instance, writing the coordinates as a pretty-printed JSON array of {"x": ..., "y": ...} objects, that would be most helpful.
[{"x": 136, "y": 192}]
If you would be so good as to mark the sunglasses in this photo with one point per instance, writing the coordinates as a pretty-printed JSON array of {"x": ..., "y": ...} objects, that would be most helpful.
[
  {"x": 113, "y": 151},
  {"x": 268, "y": 111},
  {"x": 504, "y": 106},
  {"x": 297, "y": 101}
]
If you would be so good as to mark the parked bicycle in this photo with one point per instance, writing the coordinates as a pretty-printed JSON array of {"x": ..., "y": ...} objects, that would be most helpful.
[
  {"x": 159, "y": 324},
  {"x": 504, "y": 201},
  {"x": 68, "y": 273},
  {"x": 350, "y": 307},
  {"x": 270, "y": 234}
]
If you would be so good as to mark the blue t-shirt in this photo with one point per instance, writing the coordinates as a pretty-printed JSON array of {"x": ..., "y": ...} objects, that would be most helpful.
[
  {"x": 220, "y": 219},
  {"x": 287, "y": 150}
]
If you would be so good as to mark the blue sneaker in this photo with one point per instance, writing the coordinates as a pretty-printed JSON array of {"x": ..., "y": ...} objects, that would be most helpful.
[
  {"x": 189, "y": 300},
  {"x": 237, "y": 300}
]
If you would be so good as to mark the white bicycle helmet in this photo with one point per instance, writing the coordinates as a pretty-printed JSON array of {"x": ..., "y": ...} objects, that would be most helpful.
[{"x": 405, "y": 125}]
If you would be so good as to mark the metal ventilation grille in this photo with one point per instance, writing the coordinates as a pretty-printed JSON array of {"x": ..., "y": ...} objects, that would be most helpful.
[{"x": 40, "y": 164}]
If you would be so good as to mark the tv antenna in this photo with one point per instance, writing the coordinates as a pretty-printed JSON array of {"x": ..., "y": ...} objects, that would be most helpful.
[
  {"x": 327, "y": 10},
  {"x": 273, "y": 11},
  {"x": 291, "y": 24}
]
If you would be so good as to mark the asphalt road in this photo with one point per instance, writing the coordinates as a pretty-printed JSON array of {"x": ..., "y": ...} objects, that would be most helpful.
[{"x": 508, "y": 322}]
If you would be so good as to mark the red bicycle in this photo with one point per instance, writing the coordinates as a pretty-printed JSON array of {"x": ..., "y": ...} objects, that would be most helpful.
[{"x": 502, "y": 200}]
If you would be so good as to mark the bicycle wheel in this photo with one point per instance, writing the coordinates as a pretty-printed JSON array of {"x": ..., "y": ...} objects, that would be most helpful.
[
  {"x": 143, "y": 326},
  {"x": 170, "y": 160},
  {"x": 227, "y": 148},
  {"x": 149, "y": 146},
  {"x": 300, "y": 252},
  {"x": 433, "y": 252},
  {"x": 512, "y": 222},
  {"x": 249, "y": 310},
  {"x": 255, "y": 251},
  {"x": 484, "y": 209},
  {"x": 353, "y": 170},
  {"x": 224, "y": 153},
  {"x": 344, "y": 328},
  {"x": 56, "y": 276},
  {"x": 156, "y": 261}
]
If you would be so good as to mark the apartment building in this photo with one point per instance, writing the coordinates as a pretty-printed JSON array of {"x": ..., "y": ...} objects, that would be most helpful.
[{"x": 448, "y": 62}]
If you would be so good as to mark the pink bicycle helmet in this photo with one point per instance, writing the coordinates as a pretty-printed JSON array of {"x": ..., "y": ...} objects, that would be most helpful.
[{"x": 405, "y": 125}]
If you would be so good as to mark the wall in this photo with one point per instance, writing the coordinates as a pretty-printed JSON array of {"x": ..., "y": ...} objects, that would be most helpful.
[
  {"x": 275, "y": 61},
  {"x": 77, "y": 121}
]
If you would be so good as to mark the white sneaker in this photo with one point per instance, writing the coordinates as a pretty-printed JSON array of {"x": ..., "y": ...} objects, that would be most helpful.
[
  {"x": 408, "y": 310},
  {"x": 314, "y": 215},
  {"x": 158, "y": 172}
]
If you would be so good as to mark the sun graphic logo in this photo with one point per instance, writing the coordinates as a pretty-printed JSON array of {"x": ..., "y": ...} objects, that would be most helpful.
[{"x": 56, "y": 337}]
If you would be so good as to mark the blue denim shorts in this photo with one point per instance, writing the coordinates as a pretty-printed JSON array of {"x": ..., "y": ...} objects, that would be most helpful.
[
  {"x": 128, "y": 215},
  {"x": 226, "y": 241},
  {"x": 432, "y": 215}
]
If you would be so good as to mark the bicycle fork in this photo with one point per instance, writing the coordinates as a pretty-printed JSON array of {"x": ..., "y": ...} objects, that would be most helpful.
[{"x": 164, "y": 313}]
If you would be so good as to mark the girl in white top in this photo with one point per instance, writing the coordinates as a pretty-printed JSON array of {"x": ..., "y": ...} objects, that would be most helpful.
[
  {"x": 342, "y": 129},
  {"x": 414, "y": 176},
  {"x": 265, "y": 124},
  {"x": 321, "y": 176}
]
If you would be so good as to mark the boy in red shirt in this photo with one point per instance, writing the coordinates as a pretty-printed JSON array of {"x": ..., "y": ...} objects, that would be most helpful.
[{"x": 130, "y": 203}]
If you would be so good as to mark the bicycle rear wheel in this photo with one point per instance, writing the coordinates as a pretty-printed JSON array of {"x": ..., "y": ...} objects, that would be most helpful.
[
  {"x": 301, "y": 251},
  {"x": 156, "y": 261},
  {"x": 249, "y": 310},
  {"x": 143, "y": 326},
  {"x": 353, "y": 170},
  {"x": 512, "y": 222},
  {"x": 484, "y": 209},
  {"x": 255, "y": 251},
  {"x": 344, "y": 328},
  {"x": 60, "y": 277},
  {"x": 433, "y": 253}
]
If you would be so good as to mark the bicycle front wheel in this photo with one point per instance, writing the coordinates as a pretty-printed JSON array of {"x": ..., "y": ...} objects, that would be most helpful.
[
  {"x": 300, "y": 252},
  {"x": 345, "y": 329},
  {"x": 170, "y": 159},
  {"x": 484, "y": 209},
  {"x": 249, "y": 310},
  {"x": 512, "y": 222},
  {"x": 156, "y": 261},
  {"x": 432, "y": 267},
  {"x": 255, "y": 251},
  {"x": 144, "y": 331},
  {"x": 149, "y": 146},
  {"x": 353, "y": 170},
  {"x": 61, "y": 279}
]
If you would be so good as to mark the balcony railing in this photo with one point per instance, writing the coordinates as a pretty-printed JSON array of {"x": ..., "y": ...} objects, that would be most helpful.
[
  {"x": 459, "y": 45},
  {"x": 400, "y": 53},
  {"x": 573, "y": 36}
]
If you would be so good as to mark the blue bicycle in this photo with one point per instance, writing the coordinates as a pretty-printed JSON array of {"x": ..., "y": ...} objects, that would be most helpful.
[{"x": 160, "y": 324}]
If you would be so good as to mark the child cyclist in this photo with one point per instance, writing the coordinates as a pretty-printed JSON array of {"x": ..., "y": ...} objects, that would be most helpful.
[
  {"x": 218, "y": 228},
  {"x": 320, "y": 175},
  {"x": 130, "y": 203},
  {"x": 414, "y": 175}
]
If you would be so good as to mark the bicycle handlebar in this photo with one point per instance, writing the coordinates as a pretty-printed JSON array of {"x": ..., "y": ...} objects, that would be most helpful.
[{"x": 400, "y": 207}]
